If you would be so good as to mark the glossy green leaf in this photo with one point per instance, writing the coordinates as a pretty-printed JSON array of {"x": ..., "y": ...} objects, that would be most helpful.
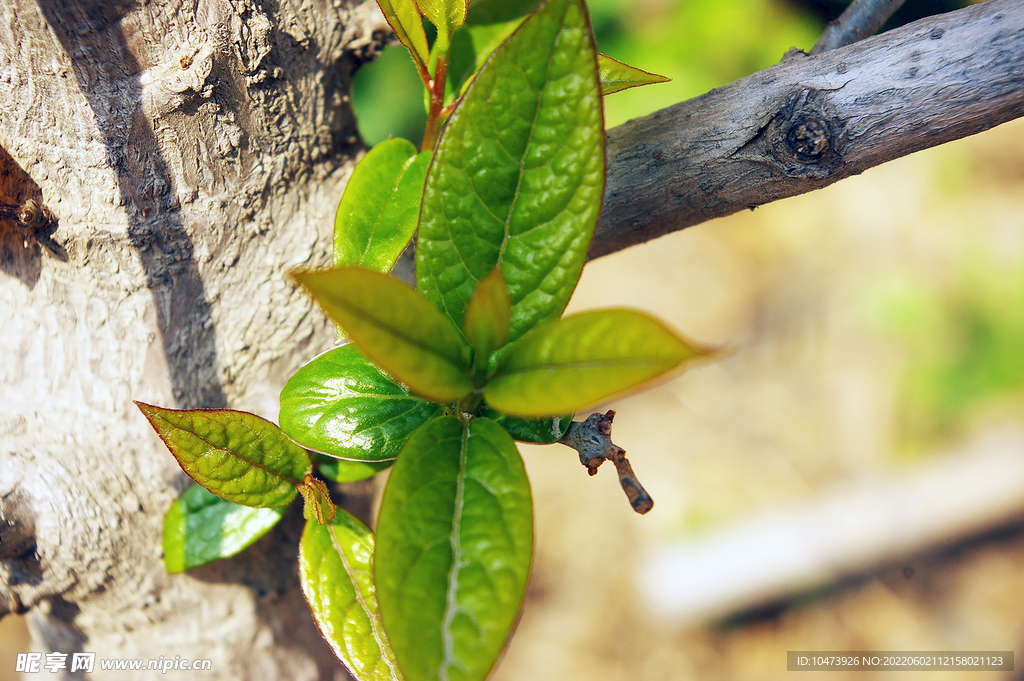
[
  {"x": 336, "y": 572},
  {"x": 616, "y": 76},
  {"x": 396, "y": 328},
  {"x": 236, "y": 455},
  {"x": 518, "y": 175},
  {"x": 200, "y": 528},
  {"x": 487, "y": 318},
  {"x": 341, "y": 404},
  {"x": 405, "y": 20},
  {"x": 488, "y": 24},
  {"x": 454, "y": 541},
  {"x": 337, "y": 470},
  {"x": 574, "y": 362},
  {"x": 316, "y": 500},
  {"x": 540, "y": 431},
  {"x": 378, "y": 211},
  {"x": 446, "y": 15}
]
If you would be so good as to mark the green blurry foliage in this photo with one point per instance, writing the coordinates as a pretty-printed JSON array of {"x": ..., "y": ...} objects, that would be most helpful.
[{"x": 964, "y": 345}]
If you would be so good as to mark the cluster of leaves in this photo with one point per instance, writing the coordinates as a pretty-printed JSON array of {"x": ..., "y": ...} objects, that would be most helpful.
[{"x": 437, "y": 381}]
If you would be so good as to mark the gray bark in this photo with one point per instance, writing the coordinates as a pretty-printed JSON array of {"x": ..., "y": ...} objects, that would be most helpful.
[
  {"x": 193, "y": 152},
  {"x": 811, "y": 121}
]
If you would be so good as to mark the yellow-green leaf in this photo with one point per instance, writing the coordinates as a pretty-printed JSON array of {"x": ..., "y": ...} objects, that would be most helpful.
[
  {"x": 616, "y": 76},
  {"x": 488, "y": 315},
  {"x": 574, "y": 362},
  {"x": 236, "y": 455},
  {"x": 446, "y": 15},
  {"x": 396, "y": 328},
  {"x": 405, "y": 20},
  {"x": 336, "y": 573}
]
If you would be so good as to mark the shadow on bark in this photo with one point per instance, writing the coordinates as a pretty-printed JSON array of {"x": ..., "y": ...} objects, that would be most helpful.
[
  {"x": 108, "y": 74},
  {"x": 270, "y": 569}
]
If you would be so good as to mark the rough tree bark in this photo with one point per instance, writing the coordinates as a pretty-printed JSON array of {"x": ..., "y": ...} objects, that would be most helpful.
[{"x": 193, "y": 152}]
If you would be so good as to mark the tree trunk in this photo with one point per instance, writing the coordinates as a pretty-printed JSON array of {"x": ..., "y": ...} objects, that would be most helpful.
[{"x": 193, "y": 152}]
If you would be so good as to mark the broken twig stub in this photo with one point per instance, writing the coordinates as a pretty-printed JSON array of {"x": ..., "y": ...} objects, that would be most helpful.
[{"x": 592, "y": 439}]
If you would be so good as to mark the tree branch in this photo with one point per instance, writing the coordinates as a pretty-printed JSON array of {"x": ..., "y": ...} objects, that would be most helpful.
[
  {"x": 858, "y": 21},
  {"x": 811, "y": 121}
]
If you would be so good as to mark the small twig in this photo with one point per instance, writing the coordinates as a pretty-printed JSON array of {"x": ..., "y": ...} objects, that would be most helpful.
[
  {"x": 861, "y": 19},
  {"x": 592, "y": 439},
  {"x": 35, "y": 222}
]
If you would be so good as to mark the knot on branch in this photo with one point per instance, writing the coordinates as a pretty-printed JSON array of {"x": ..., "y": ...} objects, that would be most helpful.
[
  {"x": 808, "y": 138},
  {"x": 592, "y": 439}
]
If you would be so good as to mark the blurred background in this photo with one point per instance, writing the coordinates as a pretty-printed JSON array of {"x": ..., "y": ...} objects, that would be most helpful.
[{"x": 850, "y": 476}]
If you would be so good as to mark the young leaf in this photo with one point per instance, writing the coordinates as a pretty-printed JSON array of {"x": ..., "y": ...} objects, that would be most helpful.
[
  {"x": 378, "y": 211},
  {"x": 337, "y": 470},
  {"x": 518, "y": 175},
  {"x": 488, "y": 24},
  {"x": 616, "y": 76},
  {"x": 336, "y": 572},
  {"x": 446, "y": 15},
  {"x": 236, "y": 455},
  {"x": 454, "y": 541},
  {"x": 341, "y": 404},
  {"x": 405, "y": 20},
  {"x": 487, "y": 318},
  {"x": 396, "y": 327},
  {"x": 316, "y": 500},
  {"x": 571, "y": 363},
  {"x": 540, "y": 431},
  {"x": 200, "y": 528}
]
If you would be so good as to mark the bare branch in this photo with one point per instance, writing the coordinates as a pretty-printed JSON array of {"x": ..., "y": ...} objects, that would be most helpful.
[
  {"x": 810, "y": 121},
  {"x": 861, "y": 19},
  {"x": 592, "y": 438}
]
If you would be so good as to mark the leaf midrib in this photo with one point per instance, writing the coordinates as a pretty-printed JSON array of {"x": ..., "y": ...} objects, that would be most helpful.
[
  {"x": 382, "y": 645},
  {"x": 590, "y": 364},
  {"x": 396, "y": 332},
  {"x": 255, "y": 464}
]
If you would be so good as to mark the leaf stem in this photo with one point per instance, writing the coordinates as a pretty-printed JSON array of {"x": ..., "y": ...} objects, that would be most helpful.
[{"x": 436, "y": 88}]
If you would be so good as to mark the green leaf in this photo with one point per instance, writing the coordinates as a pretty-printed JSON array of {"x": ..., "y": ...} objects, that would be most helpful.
[
  {"x": 200, "y": 528},
  {"x": 337, "y": 470},
  {"x": 454, "y": 541},
  {"x": 341, "y": 404},
  {"x": 540, "y": 431},
  {"x": 336, "y": 572},
  {"x": 616, "y": 76},
  {"x": 572, "y": 363},
  {"x": 487, "y": 319},
  {"x": 396, "y": 328},
  {"x": 518, "y": 175},
  {"x": 405, "y": 20},
  {"x": 236, "y": 455},
  {"x": 316, "y": 500},
  {"x": 488, "y": 24},
  {"x": 446, "y": 15},
  {"x": 378, "y": 211}
]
